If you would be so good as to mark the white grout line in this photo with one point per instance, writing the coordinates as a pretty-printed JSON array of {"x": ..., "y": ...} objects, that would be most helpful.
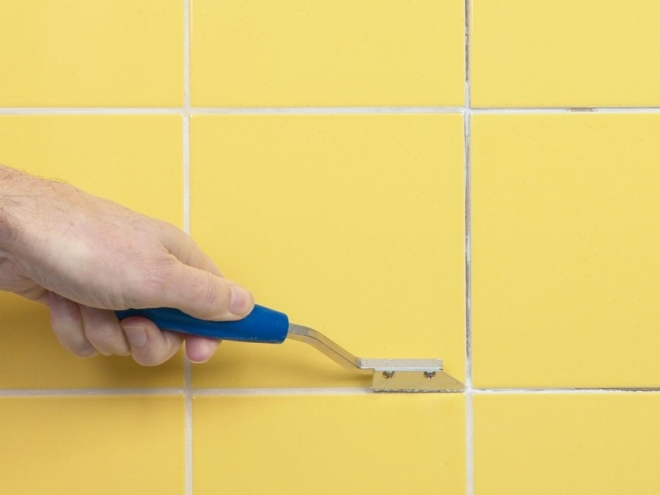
[
  {"x": 89, "y": 111},
  {"x": 223, "y": 392},
  {"x": 282, "y": 391},
  {"x": 86, "y": 392},
  {"x": 188, "y": 110},
  {"x": 469, "y": 442},
  {"x": 469, "y": 409},
  {"x": 565, "y": 391},
  {"x": 188, "y": 429},
  {"x": 325, "y": 110},
  {"x": 225, "y": 111},
  {"x": 186, "y": 174}
]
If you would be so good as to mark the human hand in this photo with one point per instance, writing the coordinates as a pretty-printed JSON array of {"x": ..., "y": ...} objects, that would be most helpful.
[{"x": 84, "y": 257}]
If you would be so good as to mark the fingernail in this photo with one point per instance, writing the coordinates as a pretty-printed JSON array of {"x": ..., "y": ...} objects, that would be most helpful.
[
  {"x": 240, "y": 300},
  {"x": 137, "y": 336}
]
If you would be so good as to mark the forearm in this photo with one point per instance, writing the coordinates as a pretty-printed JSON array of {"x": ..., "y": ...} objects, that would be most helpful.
[
  {"x": 35, "y": 211},
  {"x": 11, "y": 185}
]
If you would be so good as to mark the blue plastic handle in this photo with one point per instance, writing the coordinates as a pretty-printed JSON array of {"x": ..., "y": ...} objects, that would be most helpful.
[{"x": 262, "y": 325}]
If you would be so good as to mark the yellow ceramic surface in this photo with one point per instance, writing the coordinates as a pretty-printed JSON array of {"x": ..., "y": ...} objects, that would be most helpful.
[
  {"x": 99, "y": 445},
  {"x": 382, "y": 443},
  {"x": 353, "y": 222},
  {"x": 352, "y": 225},
  {"x": 565, "y": 266},
  {"x": 327, "y": 53},
  {"x": 607, "y": 444},
  {"x": 564, "y": 53},
  {"x": 32, "y": 358},
  {"x": 134, "y": 160},
  {"x": 100, "y": 53}
]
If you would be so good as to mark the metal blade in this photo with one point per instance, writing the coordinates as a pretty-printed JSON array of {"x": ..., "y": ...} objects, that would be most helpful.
[{"x": 388, "y": 375}]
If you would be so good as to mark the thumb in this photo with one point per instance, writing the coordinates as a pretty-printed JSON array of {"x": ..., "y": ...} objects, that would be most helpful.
[{"x": 198, "y": 293}]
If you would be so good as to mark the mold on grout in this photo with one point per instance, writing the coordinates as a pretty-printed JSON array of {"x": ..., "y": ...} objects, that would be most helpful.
[
  {"x": 536, "y": 391},
  {"x": 469, "y": 411}
]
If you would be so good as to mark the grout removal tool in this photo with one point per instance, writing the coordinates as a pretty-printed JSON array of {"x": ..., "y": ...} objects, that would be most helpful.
[{"x": 268, "y": 326}]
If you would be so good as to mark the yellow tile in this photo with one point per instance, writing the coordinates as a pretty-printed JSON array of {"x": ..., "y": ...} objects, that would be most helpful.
[
  {"x": 549, "y": 444},
  {"x": 97, "y": 445},
  {"x": 352, "y": 225},
  {"x": 31, "y": 357},
  {"x": 101, "y": 53},
  {"x": 327, "y": 53},
  {"x": 564, "y": 232},
  {"x": 387, "y": 444},
  {"x": 564, "y": 53},
  {"x": 135, "y": 161}
]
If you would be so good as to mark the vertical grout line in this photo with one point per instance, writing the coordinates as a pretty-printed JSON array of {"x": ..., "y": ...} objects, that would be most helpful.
[
  {"x": 469, "y": 410},
  {"x": 188, "y": 429}
]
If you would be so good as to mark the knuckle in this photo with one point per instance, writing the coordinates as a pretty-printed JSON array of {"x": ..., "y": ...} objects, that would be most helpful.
[
  {"x": 107, "y": 339},
  {"x": 211, "y": 290},
  {"x": 154, "y": 280},
  {"x": 213, "y": 296},
  {"x": 72, "y": 342}
]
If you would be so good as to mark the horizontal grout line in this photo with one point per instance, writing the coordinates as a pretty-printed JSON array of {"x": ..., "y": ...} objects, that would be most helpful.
[
  {"x": 571, "y": 110},
  {"x": 85, "y": 392},
  {"x": 226, "y": 111},
  {"x": 91, "y": 111},
  {"x": 282, "y": 391},
  {"x": 322, "y": 111},
  {"x": 537, "y": 391}
]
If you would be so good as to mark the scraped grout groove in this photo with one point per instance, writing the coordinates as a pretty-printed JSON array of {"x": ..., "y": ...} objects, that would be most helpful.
[{"x": 469, "y": 409}]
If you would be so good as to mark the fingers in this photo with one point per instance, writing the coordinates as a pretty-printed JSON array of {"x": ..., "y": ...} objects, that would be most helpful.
[
  {"x": 86, "y": 331},
  {"x": 149, "y": 345},
  {"x": 102, "y": 330},
  {"x": 200, "y": 349},
  {"x": 186, "y": 250},
  {"x": 67, "y": 324},
  {"x": 196, "y": 292}
]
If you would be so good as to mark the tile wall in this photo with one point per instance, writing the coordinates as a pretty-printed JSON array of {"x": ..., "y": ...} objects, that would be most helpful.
[{"x": 469, "y": 180}]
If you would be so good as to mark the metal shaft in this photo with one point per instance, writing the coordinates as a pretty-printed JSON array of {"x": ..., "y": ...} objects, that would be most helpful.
[{"x": 323, "y": 344}]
